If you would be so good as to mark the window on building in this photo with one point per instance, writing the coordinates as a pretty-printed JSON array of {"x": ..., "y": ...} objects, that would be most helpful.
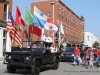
[
  {"x": 49, "y": 14},
  {"x": 73, "y": 22},
  {"x": 5, "y": 12},
  {"x": 77, "y": 36},
  {"x": 66, "y": 17},
  {"x": 66, "y": 32},
  {"x": 62, "y": 14},
  {"x": 69, "y": 33},
  {"x": 4, "y": 33},
  {"x": 88, "y": 37},
  {"x": 59, "y": 12},
  {"x": 82, "y": 27},
  {"x": 72, "y": 34},
  {"x": 82, "y": 38},
  {"x": 69, "y": 19},
  {"x": 76, "y": 23}
]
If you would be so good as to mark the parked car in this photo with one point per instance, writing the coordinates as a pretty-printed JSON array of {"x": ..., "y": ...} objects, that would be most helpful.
[{"x": 68, "y": 54}]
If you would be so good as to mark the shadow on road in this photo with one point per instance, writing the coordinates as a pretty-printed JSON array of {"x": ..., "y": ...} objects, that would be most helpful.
[
  {"x": 28, "y": 72},
  {"x": 45, "y": 68}
]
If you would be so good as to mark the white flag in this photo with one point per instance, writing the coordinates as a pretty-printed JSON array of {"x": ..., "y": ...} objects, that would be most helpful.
[{"x": 61, "y": 28}]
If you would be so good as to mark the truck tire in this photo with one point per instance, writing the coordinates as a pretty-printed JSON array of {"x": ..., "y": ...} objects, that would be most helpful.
[
  {"x": 55, "y": 64},
  {"x": 11, "y": 69},
  {"x": 35, "y": 68}
]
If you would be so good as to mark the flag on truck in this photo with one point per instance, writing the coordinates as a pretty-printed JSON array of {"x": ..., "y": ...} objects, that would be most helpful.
[
  {"x": 13, "y": 31},
  {"x": 42, "y": 21},
  {"x": 29, "y": 22},
  {"x": 20, "y": 22},
  {"x": 35, "y": 30}
]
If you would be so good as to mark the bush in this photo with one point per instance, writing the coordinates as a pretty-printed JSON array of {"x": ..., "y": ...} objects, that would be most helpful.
[{"x": 96, "y": 44}]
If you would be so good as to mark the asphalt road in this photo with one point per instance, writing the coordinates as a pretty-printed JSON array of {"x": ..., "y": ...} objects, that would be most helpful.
[{"x": 65, "y": 68}]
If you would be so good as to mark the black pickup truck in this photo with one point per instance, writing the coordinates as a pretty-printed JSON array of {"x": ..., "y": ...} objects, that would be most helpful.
[{"x": 30, "y": 58}]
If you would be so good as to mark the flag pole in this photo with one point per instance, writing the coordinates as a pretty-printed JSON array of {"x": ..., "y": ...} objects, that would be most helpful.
[{"x": 32, "y": 34}]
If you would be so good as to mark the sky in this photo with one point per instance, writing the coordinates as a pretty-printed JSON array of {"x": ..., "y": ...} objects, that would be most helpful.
[{"x": 89, "y": 9}]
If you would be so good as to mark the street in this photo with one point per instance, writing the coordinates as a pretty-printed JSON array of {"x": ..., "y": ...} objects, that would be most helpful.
[{"x": 65, "y": 68}]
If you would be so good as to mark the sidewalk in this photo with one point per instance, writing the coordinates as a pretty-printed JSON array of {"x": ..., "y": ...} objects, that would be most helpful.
[{"x": 1, "y": 60}]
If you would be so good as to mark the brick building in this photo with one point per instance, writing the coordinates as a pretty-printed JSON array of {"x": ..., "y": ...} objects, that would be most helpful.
[
  {"x": 58, "y": 12},
  {"x": 4, "y": 6}
]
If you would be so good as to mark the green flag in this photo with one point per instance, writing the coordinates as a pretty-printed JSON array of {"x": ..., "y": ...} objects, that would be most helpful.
[{"x": 28, "y": 17}]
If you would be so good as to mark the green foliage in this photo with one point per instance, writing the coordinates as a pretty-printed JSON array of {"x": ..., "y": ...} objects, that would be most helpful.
[{"x": 96, "y": 44}]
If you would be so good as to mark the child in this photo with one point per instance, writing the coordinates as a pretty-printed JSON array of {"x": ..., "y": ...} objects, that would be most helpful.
[{"x": 90, "y": 60}]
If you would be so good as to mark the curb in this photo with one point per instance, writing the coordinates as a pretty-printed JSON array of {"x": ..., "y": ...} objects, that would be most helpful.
[{"x": 1, "y": 62}]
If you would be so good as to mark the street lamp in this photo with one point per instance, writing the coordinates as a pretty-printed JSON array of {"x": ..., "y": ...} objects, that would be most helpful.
[{"x": 52, "y": 3}]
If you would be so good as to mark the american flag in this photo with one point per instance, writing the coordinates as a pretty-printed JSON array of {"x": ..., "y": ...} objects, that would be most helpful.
[
  {"x": 14, "y": 34},
  {"x": 10, "y": 22}
]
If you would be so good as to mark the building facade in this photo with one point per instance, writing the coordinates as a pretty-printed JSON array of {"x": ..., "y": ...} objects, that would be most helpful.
[
  {"x": 89, "y": 39},
  {"x": 59, "y": 12},
  {"x": 4, "y": 6}
]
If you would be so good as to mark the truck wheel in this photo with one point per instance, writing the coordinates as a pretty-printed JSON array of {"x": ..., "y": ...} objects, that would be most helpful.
[
  {"x": 10, "y": 69},
  {"x": 56, "y": 64},
  {"x": 35, "y": 68}
]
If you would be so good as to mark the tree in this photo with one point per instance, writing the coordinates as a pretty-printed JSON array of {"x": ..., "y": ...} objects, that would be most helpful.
[{"x": 96, "y": 44}]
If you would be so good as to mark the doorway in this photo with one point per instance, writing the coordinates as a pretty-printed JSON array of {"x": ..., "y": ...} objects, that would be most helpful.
[{"x": 4, "y": 41}]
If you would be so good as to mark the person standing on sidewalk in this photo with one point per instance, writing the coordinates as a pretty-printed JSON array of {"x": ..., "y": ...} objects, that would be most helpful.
[{"x": 76, "y": 55}]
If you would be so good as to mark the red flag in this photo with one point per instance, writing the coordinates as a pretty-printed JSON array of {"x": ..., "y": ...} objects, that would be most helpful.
[
  {"x": 18, "y": 16},
  {"x": 35, "y": 30},
  {"x": 20, "y": 21}
]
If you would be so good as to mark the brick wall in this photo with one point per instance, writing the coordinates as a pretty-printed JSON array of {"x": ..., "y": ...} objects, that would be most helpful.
[{"x": 2, "y": 8}]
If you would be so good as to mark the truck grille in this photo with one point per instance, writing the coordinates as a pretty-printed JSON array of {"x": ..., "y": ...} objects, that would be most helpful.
[{"x": 17, "y": 58}]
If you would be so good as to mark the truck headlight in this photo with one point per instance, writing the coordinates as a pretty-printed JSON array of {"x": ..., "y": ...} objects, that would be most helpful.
[
  {"x": 9, "y": 57},
  {"x": 62, "y": 54},
  {"x": 28, "y": 58}
]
